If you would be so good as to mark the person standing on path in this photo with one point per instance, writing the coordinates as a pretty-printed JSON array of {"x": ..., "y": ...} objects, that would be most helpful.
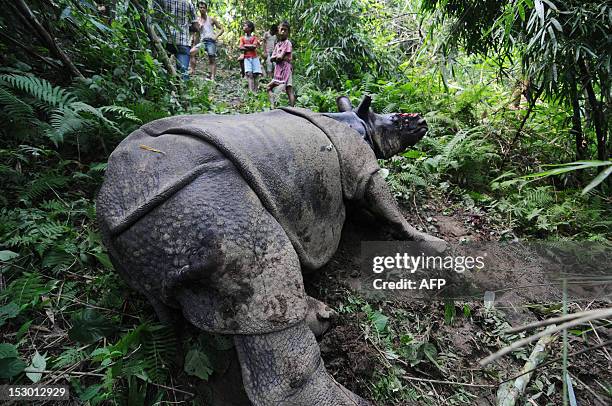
[
  {"x": 184, "y": 21},
  {"x": 206, "y": 38},
  {"x": 283, "y": 71},
  {"x": 249, "y": 44},
  {"x": 268, "y": 48}
]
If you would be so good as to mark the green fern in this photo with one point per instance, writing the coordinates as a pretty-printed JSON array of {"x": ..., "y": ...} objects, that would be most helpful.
[
  {"x": 40, "y": 89},
  {"x": 14, "y": 109},
  {"x": 27, "y": 289},
  {"x": 71, "y": 356},
  {"x": 156, "y": 351},
  {"x": 539, "y": 197},
  {"x": 121, "y": 112},
  {"x": 38, "y": 187}
]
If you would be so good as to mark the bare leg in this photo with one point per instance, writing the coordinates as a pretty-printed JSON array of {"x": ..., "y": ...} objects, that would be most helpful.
[
  {"x": 212, "y": 61},
  {"x": 271, "y": 87},
  {"x": 285, "y": 368},
  {"x": 193, "y": 61},
  {"x": 256, "y": 82},
  {"x": 290, "y": 95},
  {"x": 249, "y": 76}
]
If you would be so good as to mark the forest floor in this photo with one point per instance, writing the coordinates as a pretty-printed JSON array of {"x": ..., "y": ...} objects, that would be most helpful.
[{"x": 398, "y": 351}]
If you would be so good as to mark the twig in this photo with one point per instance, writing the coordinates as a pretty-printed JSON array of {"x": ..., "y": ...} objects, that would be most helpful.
[
  {"x": 523, "y": 122},
  {"x": 46, "y": 38},
  {"x": 555, "y": 320},
  {"x": 476, "y": 385},
  {"x": 557, "y": 360},
  {"x": 518, "y": 344},
  {"x": 591, "y": 391},
  {"x": 35, "y": 54}
]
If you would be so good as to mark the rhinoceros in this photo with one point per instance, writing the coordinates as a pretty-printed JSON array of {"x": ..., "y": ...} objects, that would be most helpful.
[{"x": 219, "y": 215}]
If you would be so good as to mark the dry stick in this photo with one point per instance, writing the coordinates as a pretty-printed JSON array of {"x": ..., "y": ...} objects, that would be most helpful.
[
  {"x": 591, "y": 391},
  {"x": 476, "y": 385},
  {"x": 595, "y": 347},
  {"x": 44, "y": 35},
  {"x": 555, "y": 320},
  {"x": 518, "y": 344}
]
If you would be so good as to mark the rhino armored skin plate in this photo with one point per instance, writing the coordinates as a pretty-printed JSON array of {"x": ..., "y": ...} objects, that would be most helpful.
[{"x": 217, "y": 216}]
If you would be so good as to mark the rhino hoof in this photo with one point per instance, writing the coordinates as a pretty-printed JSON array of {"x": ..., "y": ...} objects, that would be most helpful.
[{"x": 319, "y": 316}]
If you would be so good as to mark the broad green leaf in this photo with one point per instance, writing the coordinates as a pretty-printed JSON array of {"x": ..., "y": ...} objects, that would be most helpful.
[
  {"x": 104, "y": 260},
  {"x": 198, "y": 364},
  {"x": 449, "y": 312},
  {"x": 89, "y": 326},
  {"x": 598, "y": 179},
  {"x": 6, "y": 255},
  {"x": 9, "y": 367},
  {"x": 39, "y": 364},
  {"x": 8, "y": 312},
  {"x": 380, "y": 321},
  {"x": 8, "y": 351}
]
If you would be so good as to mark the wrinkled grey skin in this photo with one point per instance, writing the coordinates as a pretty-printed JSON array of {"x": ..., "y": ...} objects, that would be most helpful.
[{"x": 215, "y": 224}]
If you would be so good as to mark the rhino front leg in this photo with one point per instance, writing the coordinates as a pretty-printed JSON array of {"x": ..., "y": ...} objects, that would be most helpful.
[
  {"x": 285, "y": 368},
  {"x": 379, "y": 200}
]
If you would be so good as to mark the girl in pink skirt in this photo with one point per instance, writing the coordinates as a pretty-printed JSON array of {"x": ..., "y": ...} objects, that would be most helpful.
[{"x": 283, "y": 71}]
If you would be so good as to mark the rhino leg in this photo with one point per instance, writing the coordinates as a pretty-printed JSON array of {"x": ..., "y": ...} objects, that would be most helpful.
[
  {"x": 285, "y": 368},
  {"x": 319, "y": 316},
  {"x": 379, "y": 200}
]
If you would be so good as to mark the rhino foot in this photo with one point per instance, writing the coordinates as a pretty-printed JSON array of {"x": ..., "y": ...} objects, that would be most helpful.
[
  {"x": 319, "y": 316},
  {"x": 285, "y": 368}
]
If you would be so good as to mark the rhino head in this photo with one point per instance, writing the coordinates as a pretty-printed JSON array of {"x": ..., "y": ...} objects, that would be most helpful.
[{"x": 387, "y": 134}]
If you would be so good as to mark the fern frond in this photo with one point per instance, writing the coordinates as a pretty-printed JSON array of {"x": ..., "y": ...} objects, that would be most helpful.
[
  {"x": 27, "y": 289},
  {"x": 80, "y": 107},
  {"x": 14, "y": 108},
  {"x": 41, "y": 89},
  {"x": 64, "y": 121},
  {"x": 38, "y": 187},
  {"x": 411, "y": 179},
  {"x": 539, "y": 197},
  {"x": 121, "y": 111},
  {"x": 70, "y": 357}
]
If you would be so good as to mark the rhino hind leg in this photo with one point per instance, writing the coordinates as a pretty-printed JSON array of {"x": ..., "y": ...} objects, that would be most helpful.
[{"x": 285, "y": 368}]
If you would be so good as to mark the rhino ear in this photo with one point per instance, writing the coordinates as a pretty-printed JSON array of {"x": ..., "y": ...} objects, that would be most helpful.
[
  {"x": 344, "y": 104},
  {"x": 364, "y": 107}
]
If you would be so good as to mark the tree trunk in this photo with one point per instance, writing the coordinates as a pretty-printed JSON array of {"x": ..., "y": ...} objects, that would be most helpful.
[
  {"x": 46, "y": 38},
  {"x": 581, "y": 141},
  {"x": 598, "y": 119}
]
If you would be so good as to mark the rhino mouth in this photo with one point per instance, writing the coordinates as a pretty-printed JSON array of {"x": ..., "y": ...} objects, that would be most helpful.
[{"x": 410, "y": 123}]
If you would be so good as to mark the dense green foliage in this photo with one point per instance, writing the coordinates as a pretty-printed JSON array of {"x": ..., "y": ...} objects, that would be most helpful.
[{"x": 63, "y": 310}]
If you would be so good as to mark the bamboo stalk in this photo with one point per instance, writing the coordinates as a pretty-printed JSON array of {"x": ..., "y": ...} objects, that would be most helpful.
[{"x": 509, "y": 392}]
